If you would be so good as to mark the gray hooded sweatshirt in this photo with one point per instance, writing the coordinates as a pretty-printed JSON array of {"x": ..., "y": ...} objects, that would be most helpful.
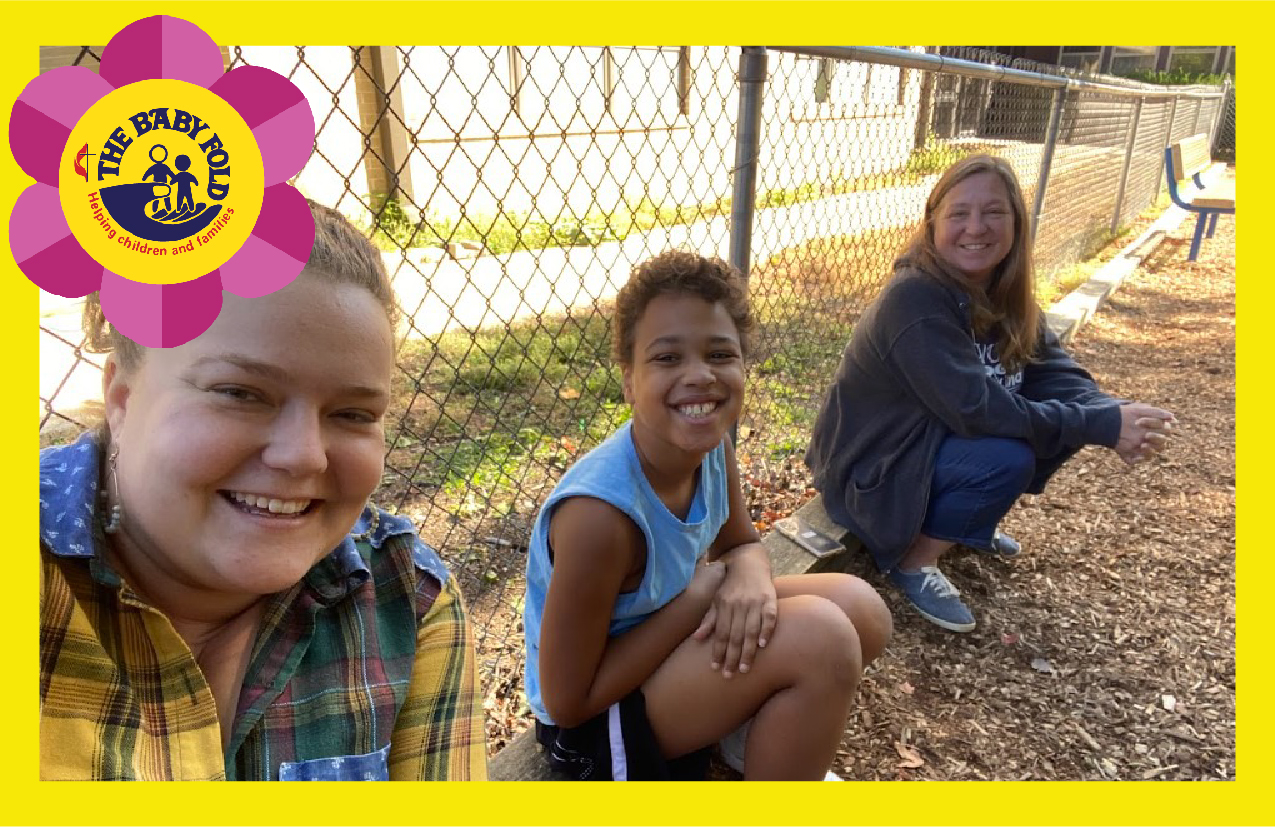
[{"x": 910, "y": 377}]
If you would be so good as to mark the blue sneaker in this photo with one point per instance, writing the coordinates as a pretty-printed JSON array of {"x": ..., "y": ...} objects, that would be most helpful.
[
  {"x": 933, "y": 595},
  {"x": 1002, "y": 546}
]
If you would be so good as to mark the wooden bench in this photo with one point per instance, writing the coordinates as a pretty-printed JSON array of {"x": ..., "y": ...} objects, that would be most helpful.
[
  {"x": 1189, "y": 158},
  {"x": 521, "y": 759}
]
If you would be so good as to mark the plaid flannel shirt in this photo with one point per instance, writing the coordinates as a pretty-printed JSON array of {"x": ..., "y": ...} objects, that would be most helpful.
[{"x": 362, "y": 671}]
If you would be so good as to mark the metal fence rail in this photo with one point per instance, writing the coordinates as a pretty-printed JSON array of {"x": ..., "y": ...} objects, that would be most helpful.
[{"x": 512, "y": 189}]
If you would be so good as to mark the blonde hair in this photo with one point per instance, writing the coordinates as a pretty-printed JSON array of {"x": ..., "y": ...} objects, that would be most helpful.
[
  {"x": 341, "y": 255},
  {"x": 1007, "y": 308}
]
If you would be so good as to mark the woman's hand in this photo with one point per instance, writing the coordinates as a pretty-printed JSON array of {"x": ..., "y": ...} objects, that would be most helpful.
[
  {"x": 1144, "y": 431},
  {"x": 742, "y": 617}
]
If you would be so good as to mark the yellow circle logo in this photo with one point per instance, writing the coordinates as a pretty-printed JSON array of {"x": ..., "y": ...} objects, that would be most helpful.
[{"x": 161, "y": 181}]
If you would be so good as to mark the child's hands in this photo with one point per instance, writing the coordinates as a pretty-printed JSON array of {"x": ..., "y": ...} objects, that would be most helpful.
[
  {"x": 706, "y": 581},
  {"x": 742, "y": 617}
]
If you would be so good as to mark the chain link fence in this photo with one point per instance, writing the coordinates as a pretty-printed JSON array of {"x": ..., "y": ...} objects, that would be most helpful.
[
  {"x": 512, "y": 189},
  {"x": 1224, "y": 140}
]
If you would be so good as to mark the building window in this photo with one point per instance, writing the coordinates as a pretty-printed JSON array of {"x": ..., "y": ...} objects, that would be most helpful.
[
  {"x": 568, "y": 89},
  {"x": 1192, "y": 59},
  {"x": 634, "y": 75},
  {"x": 1126, "y": 59},
  {"x": 1083, "y": 58},
  {"x": 823, "y": 80}
]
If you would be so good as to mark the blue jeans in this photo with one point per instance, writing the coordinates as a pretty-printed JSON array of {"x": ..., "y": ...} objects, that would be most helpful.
[{"x": 976, "y": 482}]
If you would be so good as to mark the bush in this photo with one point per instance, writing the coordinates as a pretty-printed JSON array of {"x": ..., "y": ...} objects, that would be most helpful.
[{"x": 1176, "y": 77}]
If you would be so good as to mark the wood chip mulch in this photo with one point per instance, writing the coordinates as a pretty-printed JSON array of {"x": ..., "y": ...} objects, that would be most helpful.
[{"x": 1107, "y": 649}]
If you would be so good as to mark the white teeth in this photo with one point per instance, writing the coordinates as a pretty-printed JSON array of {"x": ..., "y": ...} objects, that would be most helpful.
[
  {"x": 273, "y": 505},
  {"x": 974, "y": 246},
  {"x": 701, "y": 409}
]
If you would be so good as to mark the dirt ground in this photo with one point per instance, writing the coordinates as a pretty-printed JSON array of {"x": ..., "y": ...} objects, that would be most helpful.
[{"x": 1107, "y": 649}]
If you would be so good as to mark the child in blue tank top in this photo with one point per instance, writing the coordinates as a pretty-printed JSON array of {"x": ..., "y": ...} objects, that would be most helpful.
[{"x": 653, "y": 625}]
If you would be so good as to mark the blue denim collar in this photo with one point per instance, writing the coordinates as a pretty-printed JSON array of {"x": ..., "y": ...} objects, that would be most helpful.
[{"x": 68, "y": 497}]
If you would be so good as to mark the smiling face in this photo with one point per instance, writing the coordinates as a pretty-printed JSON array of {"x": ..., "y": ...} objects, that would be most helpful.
[
  {"x": 974, "y": 226},
  {"x": 247, "y": 454},
  {"x": 686, "y": 378}
]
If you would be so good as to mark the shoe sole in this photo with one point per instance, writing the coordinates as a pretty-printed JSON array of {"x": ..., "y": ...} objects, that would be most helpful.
[{"x": 946, "y": 624}]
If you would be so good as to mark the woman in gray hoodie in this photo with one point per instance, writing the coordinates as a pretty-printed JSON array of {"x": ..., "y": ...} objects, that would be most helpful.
[{"x": 954, "y": 398}]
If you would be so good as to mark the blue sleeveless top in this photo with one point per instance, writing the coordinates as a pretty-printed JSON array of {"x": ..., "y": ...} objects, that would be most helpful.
[{"x": 612, "y": 472}]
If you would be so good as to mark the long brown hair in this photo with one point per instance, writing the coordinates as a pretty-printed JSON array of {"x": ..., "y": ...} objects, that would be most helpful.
[{"x": 1007, "y": 309}]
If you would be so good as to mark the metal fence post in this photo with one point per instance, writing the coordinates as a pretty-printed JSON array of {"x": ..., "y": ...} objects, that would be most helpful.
[
  {"x": 380, "y": 102},
  {"x": 752, "y": 83},
  {"x": 1168, "y": 139},
  {"x": 1046, "y": 160},
  {"x": 752, "y": 86},
  {"x": 1128, "y": 161}
]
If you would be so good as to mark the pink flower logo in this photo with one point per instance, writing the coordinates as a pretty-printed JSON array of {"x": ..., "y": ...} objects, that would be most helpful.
[{"x": 161, "y": 181}]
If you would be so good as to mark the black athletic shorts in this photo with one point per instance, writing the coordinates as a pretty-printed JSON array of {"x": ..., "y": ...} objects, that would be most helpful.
[{"x": 617, "y": 745}]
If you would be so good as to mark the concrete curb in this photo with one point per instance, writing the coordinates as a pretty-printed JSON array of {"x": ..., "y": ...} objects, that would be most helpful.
[{"x": 1070, "y": 313}]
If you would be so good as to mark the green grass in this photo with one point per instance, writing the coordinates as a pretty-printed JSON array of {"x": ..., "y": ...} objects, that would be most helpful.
[
  {"x": 485, "y": 405},
  {"x": 936, "y": 156},
  {"x": 1099, "y": 248},
  {"x": 929, "y": 160},
  {"x": 509, "y": 231}
]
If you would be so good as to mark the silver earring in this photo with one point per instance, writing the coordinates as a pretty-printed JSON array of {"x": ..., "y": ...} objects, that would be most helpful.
[
  {"x": 115, "y": 513},
  {"x": 371, "y": 526}
]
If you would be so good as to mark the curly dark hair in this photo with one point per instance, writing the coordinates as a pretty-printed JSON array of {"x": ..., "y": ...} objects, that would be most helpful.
[
  {"x": 341, "y": 255},
  {"x": 678, "y": 271}
]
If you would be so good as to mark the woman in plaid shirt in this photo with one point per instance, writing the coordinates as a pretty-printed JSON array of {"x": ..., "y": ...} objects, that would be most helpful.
[{"x": 218, "y": 599}]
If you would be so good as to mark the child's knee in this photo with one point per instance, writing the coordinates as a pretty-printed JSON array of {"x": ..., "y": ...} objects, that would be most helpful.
[
  {"x": 871, "y": 618},
  {"x": 821, "y": 639},
  {"x": 867, "y": 611}
]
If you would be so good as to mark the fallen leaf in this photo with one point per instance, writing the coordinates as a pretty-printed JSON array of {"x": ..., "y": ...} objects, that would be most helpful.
[
  {"x": 911, "y": 758},
  {"x": 568, "y": 444},
  {"x": 566, "y": 392}
]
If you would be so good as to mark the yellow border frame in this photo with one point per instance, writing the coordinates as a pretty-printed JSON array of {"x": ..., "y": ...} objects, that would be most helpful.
[{"x": 28, "y": 25}]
